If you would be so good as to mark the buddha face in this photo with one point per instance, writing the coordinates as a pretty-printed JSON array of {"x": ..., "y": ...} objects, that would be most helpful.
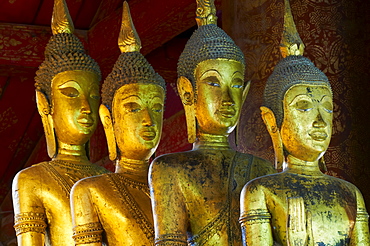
[
  {"x": 75, "y": 100},
  {"x": 219, "y": 95},
  {"x": 137, "y": 111},
  {"x": 307, "y": 124}
]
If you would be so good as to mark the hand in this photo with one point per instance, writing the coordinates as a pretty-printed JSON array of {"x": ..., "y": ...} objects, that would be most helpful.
[{"x": 296, "y": 223}]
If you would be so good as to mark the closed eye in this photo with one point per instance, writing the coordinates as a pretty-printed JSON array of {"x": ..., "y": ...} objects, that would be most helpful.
[
  {"x": 212, "y": 81},
  {"x": 237, "y": 86},
  {"x": 157, "y": 107},
  {"x": 328, "y": 107},
  {"x": 237, "y": 83},
  {"x": 327, "y": 103},
  {"x": 95, "y": 95},
  {"x": 69, "y": 91},
  {"x": 132, "y": 107},
  {"x": 213, "y": 84},
  {"x": 304, "y": 105}
]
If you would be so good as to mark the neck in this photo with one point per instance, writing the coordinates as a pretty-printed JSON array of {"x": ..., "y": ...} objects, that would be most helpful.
[
  {"x": 295, "y": 165},
  {"x": 134, "y": 169},
  {"x": 209, "y": 141},
  {"x": 72, "y": 153}
]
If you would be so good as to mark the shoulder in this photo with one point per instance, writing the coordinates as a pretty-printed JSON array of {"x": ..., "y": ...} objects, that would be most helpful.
[
  {"x": 167, "y": 169},
  {"x": 31, "y": 174},
  {"x": 89, "y": 182},
  {"x": 263, "y": 184},
  {"x": 342, "y": 183},
  {"x": 265, "y": 181},
  {"x": 255, "y": 166},
  {"x": 253, "y": 192},
  {"x": 173, "y": 162},
  {"x": 29, "y": 186},
  {"x": 261, "y": 167},
  {"x": 172, "y": 159},
  {"x": 351, "y": 188},
  {"x": 81, "y": 189}
]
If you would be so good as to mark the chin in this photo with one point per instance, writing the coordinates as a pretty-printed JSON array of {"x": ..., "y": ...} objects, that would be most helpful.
[
  {"x": 145, "y": 152},
  {"x": 86, "y": 134},
  {"x": 320, "y": 148},
  {"x": 149, "y": 144}
]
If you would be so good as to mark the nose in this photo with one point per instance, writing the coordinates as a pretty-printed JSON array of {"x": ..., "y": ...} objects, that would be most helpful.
[
  {"x": 147, "y": 118},
  {"x": 319, "y": 121},
  {"x": 85, "y": 106},
  {"x": 226, "y": 98}
]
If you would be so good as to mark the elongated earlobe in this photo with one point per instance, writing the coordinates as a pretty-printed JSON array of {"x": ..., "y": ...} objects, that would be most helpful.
[
  {"x": 244, "y": 96},
  {"x": 270, "y": 122},
  {"x": 48, "y": 123},
  {"x": 106, "y": 119},
  {"x": 245, "y": 91},
  {"x": 186, "y": 92},
  {"x": 322, "y": 165}
]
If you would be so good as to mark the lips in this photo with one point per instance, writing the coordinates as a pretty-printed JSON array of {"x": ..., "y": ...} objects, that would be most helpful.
[
  {"x": 85, "y": 121},
  {"x": 318, "y": 135},
  {"x": 148, "y": 135},
  {"x": 227, "y": 113}
]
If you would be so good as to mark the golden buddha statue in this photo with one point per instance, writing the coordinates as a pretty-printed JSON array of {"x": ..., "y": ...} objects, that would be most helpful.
[
  {"x": 67, "y": 90},
  {"x": 195, "y": 194},
  {"x": 301, "y": 205},
  {"x": 115, "y": 208}
]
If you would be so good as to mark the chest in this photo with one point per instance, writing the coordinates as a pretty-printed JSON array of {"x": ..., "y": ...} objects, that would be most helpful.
[
  {"x": 125, "y": 212},
  {"x": 326, "y": 210}
]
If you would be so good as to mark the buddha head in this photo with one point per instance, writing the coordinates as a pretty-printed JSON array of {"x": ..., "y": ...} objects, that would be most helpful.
[
  {"x": 67, "y": 86},
  {"x": 298, "y": 108},
  {"x": 298, "y": 105},
  {"x": 132, "y": 100},
  {"x": 211, "y": 77}
]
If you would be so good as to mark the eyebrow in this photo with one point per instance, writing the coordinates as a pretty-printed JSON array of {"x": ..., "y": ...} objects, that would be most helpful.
[
  {"x": 211, "y": 70},
  {"x": 128, "y": 97},
  {"x": 212, "y": 78},
  {"x": 94, "y": 86},
  {"x": 299, "y": 96},
  {"x": 158, "y": 97},
  {"x": 237, "y": 72},
  {"x": 69, "y": 83},
  {"x": 324, "y": 97}
]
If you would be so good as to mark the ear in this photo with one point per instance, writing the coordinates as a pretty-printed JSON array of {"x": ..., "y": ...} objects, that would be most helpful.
[
  {"x": 106, "y": 119},
  {"x": 47, "y": 121},
  {"x": 270, "y": 122},
  {"x": 245, "y": 91},
  {"x": 186, "y": 92},
  {"x": 244, "y": 96},
  {"x": 322, "y": 165}
]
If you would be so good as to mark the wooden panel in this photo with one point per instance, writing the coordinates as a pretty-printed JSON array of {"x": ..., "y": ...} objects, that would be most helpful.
[
  {"x": 13, "y": 11},
  {"x": 156, "y": 22},
  {"x": 24, "y": 45}
]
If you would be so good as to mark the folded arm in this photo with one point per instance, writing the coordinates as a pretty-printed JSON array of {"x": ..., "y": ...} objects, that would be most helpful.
[
  {"x": 360, "y": 235},
  {"x": 169, "y": 209},
  {"x": 87, "y": 229},
  {"x": 30, "y": 218},
  {"x": 255, "y": 217}
]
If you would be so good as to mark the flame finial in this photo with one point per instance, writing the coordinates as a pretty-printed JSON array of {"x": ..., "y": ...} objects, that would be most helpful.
[
  {"x": 128, "y": 40},
  {"x": 291, "y": 43},
  {"x": 61, "y": 21},
  {"x": 206, "y": 12}
]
